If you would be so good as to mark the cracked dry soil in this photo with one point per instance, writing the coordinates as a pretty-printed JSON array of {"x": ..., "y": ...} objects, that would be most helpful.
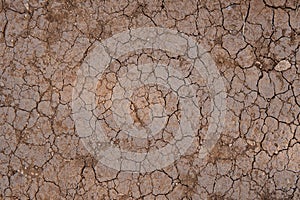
[{"x": 255, "y": 45}]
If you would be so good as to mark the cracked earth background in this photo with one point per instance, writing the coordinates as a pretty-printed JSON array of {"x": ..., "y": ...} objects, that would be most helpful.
[{"x": 43, "y": 44}]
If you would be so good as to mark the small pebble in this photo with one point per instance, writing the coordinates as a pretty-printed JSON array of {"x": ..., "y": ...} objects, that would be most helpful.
[
  {"x": 258, "y": 64},
  {"x": 283, "y": 65},
  {"x": 26, "y": 4}
]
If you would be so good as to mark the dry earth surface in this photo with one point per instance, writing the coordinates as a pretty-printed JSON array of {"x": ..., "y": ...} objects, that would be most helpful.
[{"x": 255, "y": 45}]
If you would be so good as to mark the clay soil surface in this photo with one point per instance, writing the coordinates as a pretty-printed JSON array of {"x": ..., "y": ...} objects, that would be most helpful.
[{"x": 255, "y": 47}]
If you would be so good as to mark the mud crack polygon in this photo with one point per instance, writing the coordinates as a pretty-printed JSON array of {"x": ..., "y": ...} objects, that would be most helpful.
[{"x": 122, "y": 102}]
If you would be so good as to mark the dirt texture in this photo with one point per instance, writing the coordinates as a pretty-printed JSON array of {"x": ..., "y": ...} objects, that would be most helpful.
[{"x": 255, "y": 47}]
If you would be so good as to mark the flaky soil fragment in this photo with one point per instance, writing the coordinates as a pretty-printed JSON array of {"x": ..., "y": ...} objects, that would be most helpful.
[{"x": 283, "y": 65}]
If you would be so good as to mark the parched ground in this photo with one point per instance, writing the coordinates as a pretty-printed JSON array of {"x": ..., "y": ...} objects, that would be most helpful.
[{"x": 255, "y": 45}]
